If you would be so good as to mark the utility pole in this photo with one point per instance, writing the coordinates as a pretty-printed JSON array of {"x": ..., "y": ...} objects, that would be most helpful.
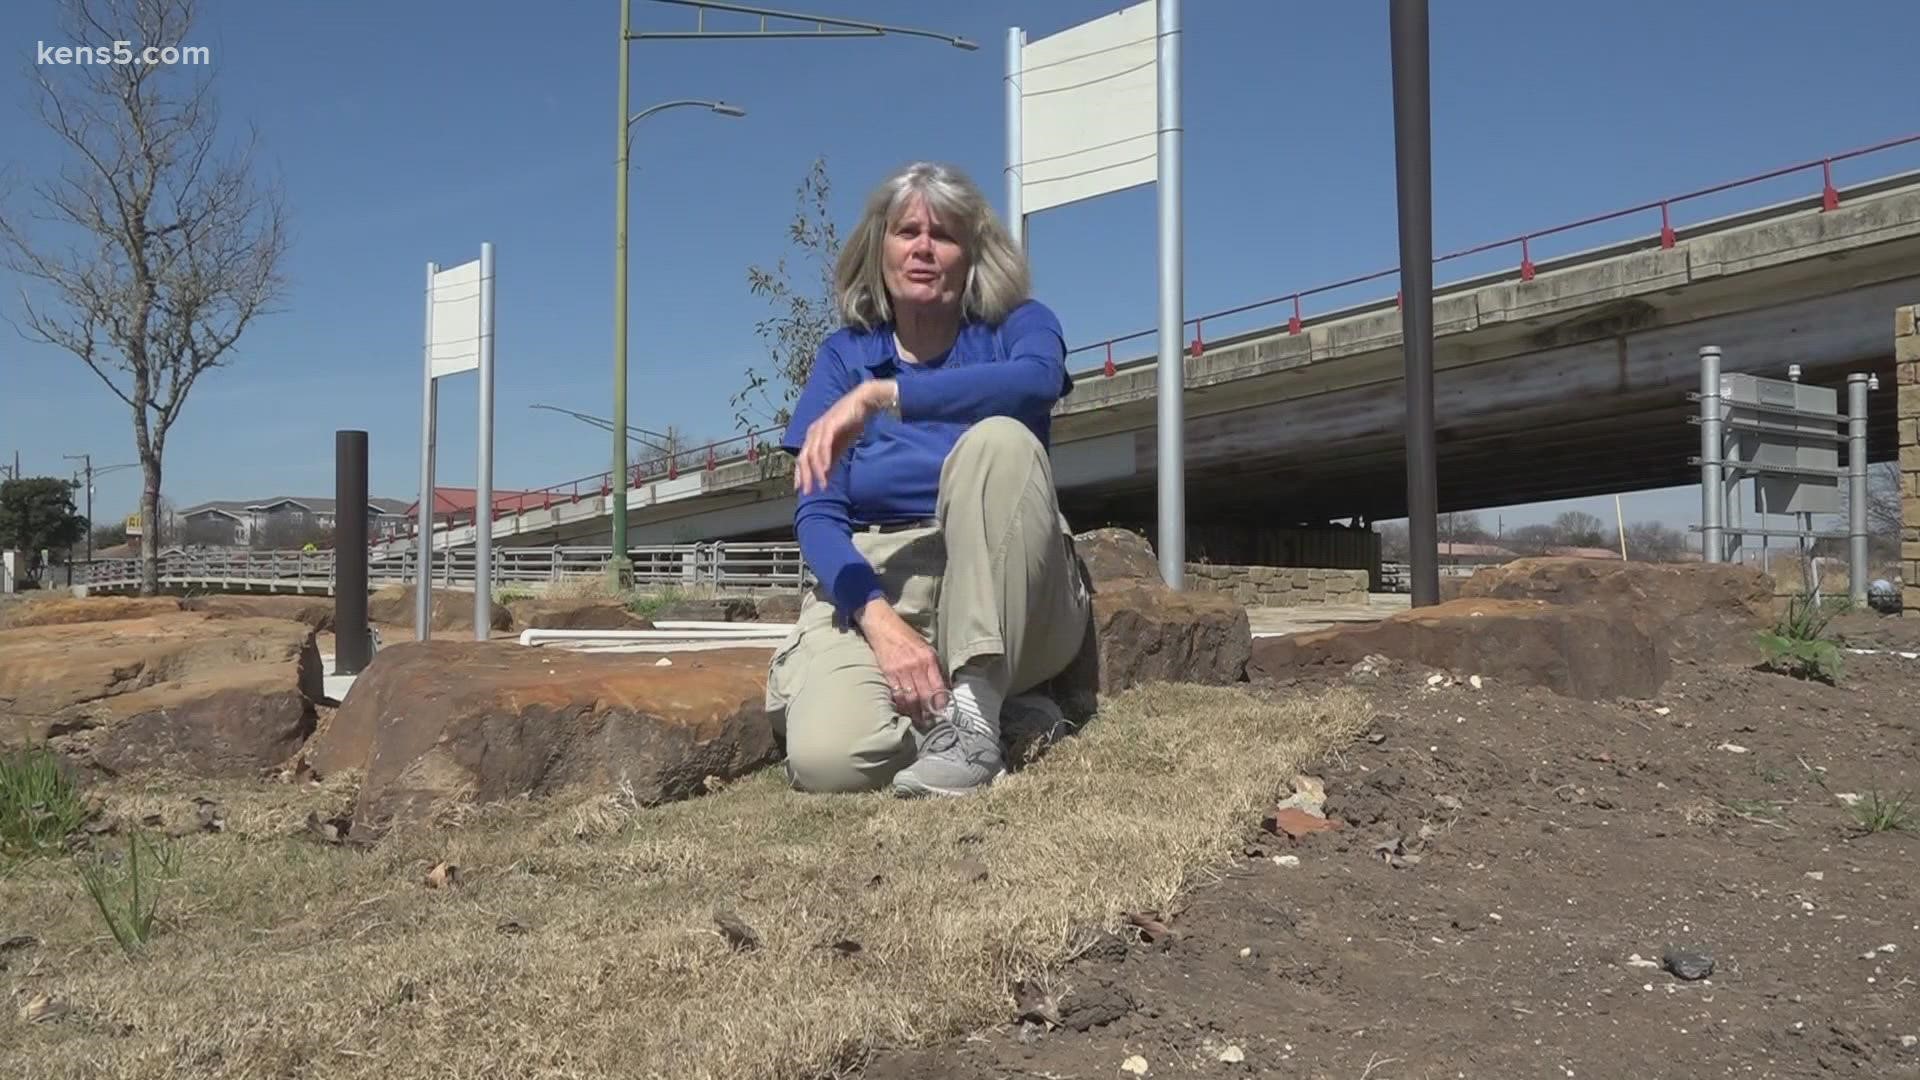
[{"x": 87, "y": 460}]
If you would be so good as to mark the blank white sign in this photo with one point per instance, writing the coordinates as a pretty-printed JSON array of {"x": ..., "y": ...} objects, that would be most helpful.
[
  {"x": 453, "y": 339},
  {"x": 1089, "y": 117}
]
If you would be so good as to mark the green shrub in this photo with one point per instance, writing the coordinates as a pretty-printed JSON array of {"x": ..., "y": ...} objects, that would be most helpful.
[
  {"x": 40, "y": 805},
  {"x": 1798, "y": 644},
  {"x": 126, "y": 891}
]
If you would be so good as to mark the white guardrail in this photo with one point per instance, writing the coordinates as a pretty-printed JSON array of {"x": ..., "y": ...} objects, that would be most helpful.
[{"x": 722, "y": 564}]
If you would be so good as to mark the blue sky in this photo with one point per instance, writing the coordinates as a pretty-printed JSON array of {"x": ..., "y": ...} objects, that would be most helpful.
[{"x": 412, "y": 132}]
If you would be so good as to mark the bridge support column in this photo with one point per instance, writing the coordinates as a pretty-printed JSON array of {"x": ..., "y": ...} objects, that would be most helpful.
[
  {"x": 1906, "y": 355},
  {"x": 353, "y": 639}
]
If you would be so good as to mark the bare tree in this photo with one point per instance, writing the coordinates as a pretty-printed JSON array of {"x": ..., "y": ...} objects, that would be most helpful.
[
  {"x": 1655, "y": 541},
  {"x": 804, "y": 314},
  {"x": 161, "y": 251},
  {"x": 1576, "y": 528}
]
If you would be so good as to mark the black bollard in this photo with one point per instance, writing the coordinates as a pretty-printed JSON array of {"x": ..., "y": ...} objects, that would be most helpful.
[{"x": 353, "y": 639}]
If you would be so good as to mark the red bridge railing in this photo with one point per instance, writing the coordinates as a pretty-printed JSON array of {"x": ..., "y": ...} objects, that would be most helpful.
[
  {"x": 1521, "y": 245},
  {"x": 749, "y": 446}
]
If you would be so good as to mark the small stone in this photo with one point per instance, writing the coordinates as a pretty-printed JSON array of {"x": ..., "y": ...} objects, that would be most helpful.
[
  {"x": 1466, "y": 924},
  {"x": 1233, "y": 1055},
  {"x": 1910, "y": 1041},
  {"x": 1662, "y": 711},
  {"x": 665, "y": 661},
  {"x": 1476, "y": 682},
  {"x": 1314, "y": 788},
  {"x": 1248, "y": 953},
  {"x": 1636, "y": 960},
  {"x": 1817, "y": 875},
  {"x": 1688, "y": 966},
  {"x": 1733, "y": 748},
  {"x": 1291, "y": 862},
  {"x": 1449, "y": 802},
  {"x": 1136, "y": 1065},
  {"x": 1436, "y": 680}
]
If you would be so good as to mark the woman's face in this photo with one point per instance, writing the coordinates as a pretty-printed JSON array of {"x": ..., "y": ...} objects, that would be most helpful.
[{"x": 924, "y": 263}]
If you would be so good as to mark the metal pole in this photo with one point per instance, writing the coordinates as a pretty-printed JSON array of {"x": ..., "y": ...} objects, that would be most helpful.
[
  {"x": 483, "y": 492},
  {"x": 1171, "y": 376},
  {"x": 1712, "y": 490},
  {"x": 89, "y": 464},
  {"x": 429, "y": 407},
  {"x": 1413, "y": 161},
  {"x": 1857, "y": 488},
  {"x": 1016, "y": 200},
  {"x": 618, "y": 566},
  {"x": 353, "y": 643}
]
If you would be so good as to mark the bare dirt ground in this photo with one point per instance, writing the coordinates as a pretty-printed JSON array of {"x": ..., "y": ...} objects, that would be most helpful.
[{"x": 1514, "y": 870}]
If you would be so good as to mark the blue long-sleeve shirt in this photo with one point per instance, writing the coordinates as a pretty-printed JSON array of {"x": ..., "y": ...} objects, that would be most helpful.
[{"x": 892, "y": 473}]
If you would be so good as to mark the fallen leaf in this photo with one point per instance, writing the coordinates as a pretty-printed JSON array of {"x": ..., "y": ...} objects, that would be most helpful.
[
  {"x": 331, "y": 830},
  {"x": 18, "y": 942},
  {"x": 42, "y": 1009},
  {"x": 740, "y": 937},
  {"x": 1151, "y": 928},
  {"x": 1033, "y": 1004},
  {"x": 443, "y": 875},
  {"x": 211, "y": 815},
  {"x": 1296, "y": 823},
  {"x": 512, "y": 926},
  {"x": 847, "y": 947}
]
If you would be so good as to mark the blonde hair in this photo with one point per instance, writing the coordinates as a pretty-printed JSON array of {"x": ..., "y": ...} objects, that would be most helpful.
[{"x": 997, "y": 277}]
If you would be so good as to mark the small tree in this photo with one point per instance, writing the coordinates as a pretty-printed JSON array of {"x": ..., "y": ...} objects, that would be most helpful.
[
  {"x": 167, "y": 252},
  {"x": 804, "y": 312},
  {"x": 1654, "y": 541},
  {"x": 38, "y": 514}
]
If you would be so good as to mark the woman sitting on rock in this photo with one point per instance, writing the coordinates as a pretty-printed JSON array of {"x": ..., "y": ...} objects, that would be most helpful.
[{"x": 925, "y": 505}]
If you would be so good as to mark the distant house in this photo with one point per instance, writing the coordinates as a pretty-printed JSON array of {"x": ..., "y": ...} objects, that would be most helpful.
[{"x": 242, "y": 522}]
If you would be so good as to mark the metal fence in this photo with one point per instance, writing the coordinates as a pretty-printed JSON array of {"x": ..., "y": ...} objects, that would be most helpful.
[{"x": 724, "y": 565}]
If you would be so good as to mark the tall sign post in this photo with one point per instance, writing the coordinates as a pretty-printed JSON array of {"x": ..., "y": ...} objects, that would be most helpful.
[
  {"x": 1092, "y": 110},
  {"x": 459, "y": 338},
  {"x": 1413, "y": 172}
]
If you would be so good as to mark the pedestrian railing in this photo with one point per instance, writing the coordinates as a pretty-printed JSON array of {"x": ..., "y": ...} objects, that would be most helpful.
[{"x": 721, "y": 564}]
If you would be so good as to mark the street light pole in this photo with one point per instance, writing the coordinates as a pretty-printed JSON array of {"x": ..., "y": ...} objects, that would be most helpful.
[
  {"x": 822, "y": 27},
  {"x": 619, "y": 565}
]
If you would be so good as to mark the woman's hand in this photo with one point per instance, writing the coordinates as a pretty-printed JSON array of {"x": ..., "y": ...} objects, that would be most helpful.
[
  {"x": 837, "y": 428},
  {"x": 911, "y": 667}
]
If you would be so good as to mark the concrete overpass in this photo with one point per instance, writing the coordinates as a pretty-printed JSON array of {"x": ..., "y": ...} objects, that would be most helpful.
[{"x": 1558, "y": 379}]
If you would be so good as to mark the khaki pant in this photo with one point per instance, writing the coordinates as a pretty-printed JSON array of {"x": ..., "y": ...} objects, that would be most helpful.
[{"x": 995, "y": 576}]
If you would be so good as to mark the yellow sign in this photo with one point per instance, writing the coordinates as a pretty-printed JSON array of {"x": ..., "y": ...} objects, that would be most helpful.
[{"x": 133, "y": 524}]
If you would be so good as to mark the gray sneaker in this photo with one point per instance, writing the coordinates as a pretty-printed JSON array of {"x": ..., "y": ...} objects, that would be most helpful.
[{"x": 954, "y": 760}]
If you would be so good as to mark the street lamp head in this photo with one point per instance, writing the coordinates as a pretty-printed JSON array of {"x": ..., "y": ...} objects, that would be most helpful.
[
  {"x": 963, "y": 43},
  {"x": 725, "y": 109}
]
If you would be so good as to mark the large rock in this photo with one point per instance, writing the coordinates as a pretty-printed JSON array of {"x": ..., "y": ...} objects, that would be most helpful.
[
  {"x": 1598, "y": 652},
  {"x": 452, "y": 609},
  {"x": 310, "y": 611},
  {"x": 1695, "y": 610},
  {"x": 441, "y": 722},
  {"x": 1116, "y": 555},
  {"x": 189, "y": 692},
  {"x": 57, "y": 610},
  {"x": 563, "y": 614},
  {"x": 1141, "y": 632}
]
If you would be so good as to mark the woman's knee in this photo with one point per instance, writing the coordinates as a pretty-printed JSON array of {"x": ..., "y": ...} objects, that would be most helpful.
[
  {"x": 1001, "y": 433},
  {"x": 824, "y": 768}
]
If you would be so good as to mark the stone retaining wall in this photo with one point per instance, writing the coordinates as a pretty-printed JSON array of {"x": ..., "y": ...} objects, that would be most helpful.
[
  {"x": 1280, "y": 586},
  {"x": 1906, "y": 355}
]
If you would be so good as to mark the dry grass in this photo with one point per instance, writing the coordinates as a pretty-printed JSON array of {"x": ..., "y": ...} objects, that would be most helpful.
[{"x": 285, "y": 957}]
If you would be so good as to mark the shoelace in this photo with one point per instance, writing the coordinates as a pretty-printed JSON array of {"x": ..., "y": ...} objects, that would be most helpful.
[{"x": 944, "y": 738}]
